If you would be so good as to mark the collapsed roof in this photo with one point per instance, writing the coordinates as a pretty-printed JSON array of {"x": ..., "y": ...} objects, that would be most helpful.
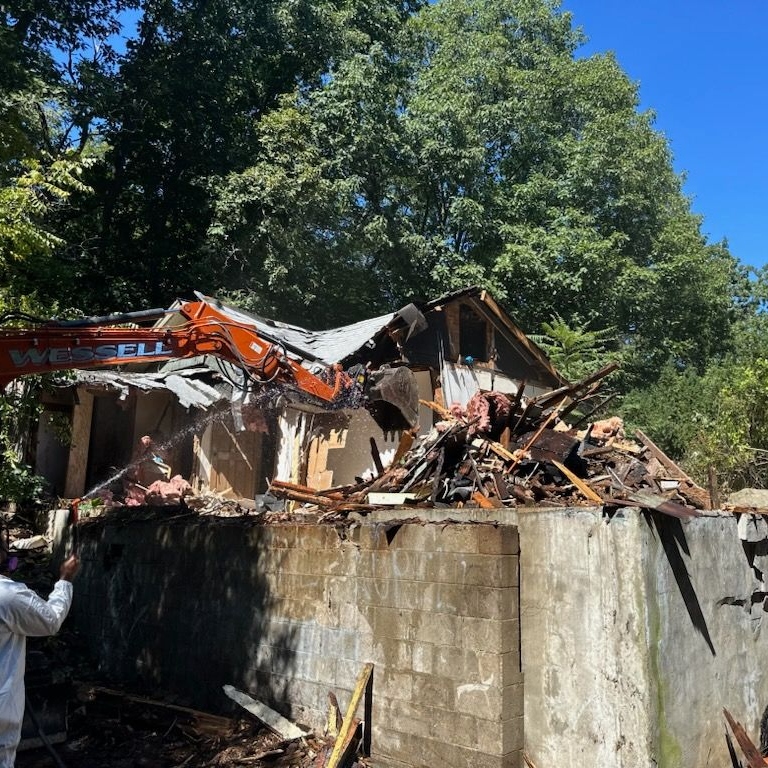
[{"x": 414, "y": 334}]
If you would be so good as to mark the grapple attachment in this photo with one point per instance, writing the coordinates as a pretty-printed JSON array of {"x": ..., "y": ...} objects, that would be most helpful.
[{"x": 393, "y": 398}]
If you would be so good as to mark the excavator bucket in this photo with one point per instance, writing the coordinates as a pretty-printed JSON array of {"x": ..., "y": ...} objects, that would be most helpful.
[{"x": 393, "y": 398}]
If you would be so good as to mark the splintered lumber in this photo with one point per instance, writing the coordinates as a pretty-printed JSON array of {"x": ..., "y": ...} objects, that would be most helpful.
[
  {"x": 571, "y": 390},
  {"x": 376, "y": 456},
  {"x": 666, "y": 462},
  {"x": 500, "y": 450},
  {"x": 350, "y": 744},
  {"x": 406, "y": 441},
  {"x": 437, "y": 408},
  {"x": 330, "y": 493},
  {"x": 306, "y": 498},
  {"x": 735, "y": 762},
  {"x": 333, "y": 723},
  {"x": 350, "y": 723},
  {"x": 301, "y": 493},
  {"x": 273, "y": 720},
  {"x": 436, "y": 480},
  {"x": 514, "y": 404},
  {"x": 751, "y": 752},
  {"x": 513, "y": 454},
  {"x": 202, "y": 721},
  {"x": 697, "y": 497},
  {"x": 579, "y": 483}
]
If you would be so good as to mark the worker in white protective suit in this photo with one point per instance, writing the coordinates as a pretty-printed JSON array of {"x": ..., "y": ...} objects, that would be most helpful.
[{"x": 23, "y": 613}]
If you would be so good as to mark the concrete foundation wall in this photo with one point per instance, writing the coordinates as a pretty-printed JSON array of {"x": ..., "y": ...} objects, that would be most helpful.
[
  {"x": 289, "y": 613},
  {"x": 636, "y": 633}
]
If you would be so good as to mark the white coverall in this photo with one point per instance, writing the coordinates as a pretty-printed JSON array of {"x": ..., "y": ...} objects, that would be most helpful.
[{"x": 22, "y": 613}]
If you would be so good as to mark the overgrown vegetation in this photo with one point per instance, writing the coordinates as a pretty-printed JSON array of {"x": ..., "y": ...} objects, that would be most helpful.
[
  {"x": 18, "y": 408},
  {"x": 327, "y": 160}
]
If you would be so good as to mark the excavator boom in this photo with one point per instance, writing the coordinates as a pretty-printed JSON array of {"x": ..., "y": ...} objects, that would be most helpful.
[{"x": 203, "y": 330}]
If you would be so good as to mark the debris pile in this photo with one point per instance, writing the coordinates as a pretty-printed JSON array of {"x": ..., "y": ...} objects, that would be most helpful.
[
  {"x": 123, "y": 730},
  {"x": 510, "y": 451},
  {"x": 500, "y": 450}
]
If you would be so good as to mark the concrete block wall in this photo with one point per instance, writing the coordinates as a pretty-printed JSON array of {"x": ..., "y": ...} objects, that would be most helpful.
[{"x": 291, "y": 612}]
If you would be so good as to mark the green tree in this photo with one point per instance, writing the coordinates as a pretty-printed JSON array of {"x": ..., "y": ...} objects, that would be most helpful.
[
  {"x": 483, "y": 152},
  {"x": 181, "y": 112},
  {"x": 27, "y": 244},
  {"x": 717, "y": 420},
  {"x": 576, "y": 351},
  {"x": 48, "y": 50}
]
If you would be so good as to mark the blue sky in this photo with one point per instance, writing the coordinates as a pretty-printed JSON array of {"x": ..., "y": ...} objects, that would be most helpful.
[{"x": 703, "y": 68}]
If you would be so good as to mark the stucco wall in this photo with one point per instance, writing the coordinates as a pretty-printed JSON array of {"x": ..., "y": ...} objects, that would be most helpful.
[
  {"x": 291, "y": 612},
  {"x": 636, "y": 633}
]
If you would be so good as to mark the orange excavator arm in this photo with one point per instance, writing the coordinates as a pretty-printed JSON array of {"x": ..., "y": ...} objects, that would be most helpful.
[{"x": 99, "y": 342}]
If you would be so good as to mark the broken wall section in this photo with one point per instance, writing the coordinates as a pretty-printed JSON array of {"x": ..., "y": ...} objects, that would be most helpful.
[{"x": 290, "y": 612}]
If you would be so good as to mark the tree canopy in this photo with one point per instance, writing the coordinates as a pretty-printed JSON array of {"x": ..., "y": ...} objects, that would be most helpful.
[{"x": 483, "y": 152}]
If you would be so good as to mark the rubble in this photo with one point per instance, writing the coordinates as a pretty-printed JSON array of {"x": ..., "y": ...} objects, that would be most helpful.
[
  {"x": 124, "y": 730},
  {"x": 512, "y": 451},
  {"x": 501, "y": 450}
]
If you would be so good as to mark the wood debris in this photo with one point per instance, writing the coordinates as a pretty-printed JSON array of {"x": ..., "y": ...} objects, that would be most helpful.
[
  {"x": 751, "y": 752},
  {"x": 348, "y": 738},
  {"x": 273, "y": 720},
  {"x": 124, "y": 730},
  {"x": 511, "y": 451}
]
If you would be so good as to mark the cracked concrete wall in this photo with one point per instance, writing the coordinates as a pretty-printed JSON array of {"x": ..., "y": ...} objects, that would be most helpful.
[
  {"x": 636, "y": 633},
  {"x": 290, "y": 612}
]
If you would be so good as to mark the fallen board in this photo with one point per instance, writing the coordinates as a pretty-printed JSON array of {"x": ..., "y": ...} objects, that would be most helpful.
[{"x": 273, "y": 720}]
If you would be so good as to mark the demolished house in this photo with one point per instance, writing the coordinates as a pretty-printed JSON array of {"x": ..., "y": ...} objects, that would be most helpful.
[
  {"x": 510, "y": 582},
  {"x": 227, "y": 442}
]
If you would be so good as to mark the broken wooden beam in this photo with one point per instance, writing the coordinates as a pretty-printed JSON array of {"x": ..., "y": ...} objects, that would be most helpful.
[
  {"x": 437, "y": 408},
  {"x": 284, "y": 728},
  {"x": 666, "y": 462},
  {"x": 376, "y": 456},
  {"x": 284, "y": 485},
  {"x": 305, "y": 498},
  {"x": 202, "y": 721},
  {"x": 579, "y": 483},
  {"x": 350, "y": 723},
  {"x": 500, "y": 450},
  {"x": 751, "y": 752},
  {"x": 406, "y": 441},
  {"x": 334, "y": 719}
]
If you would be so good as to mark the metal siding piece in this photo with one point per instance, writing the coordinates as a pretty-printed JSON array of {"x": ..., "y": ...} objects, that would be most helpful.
[
  {"x": 191, "y": 392},
  {"x": 328, "y": 346}
]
